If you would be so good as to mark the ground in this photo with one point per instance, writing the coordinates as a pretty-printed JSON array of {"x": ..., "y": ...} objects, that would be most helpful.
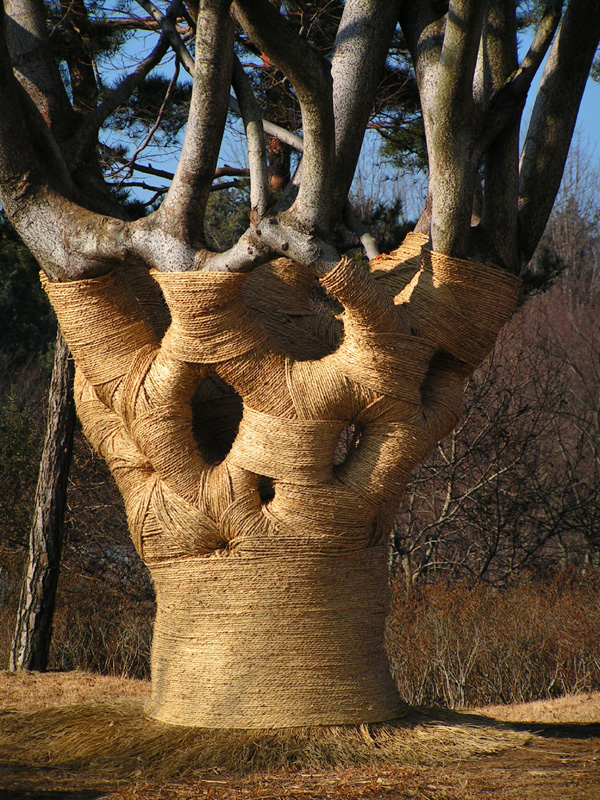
[{"x": 546, "y": 750}]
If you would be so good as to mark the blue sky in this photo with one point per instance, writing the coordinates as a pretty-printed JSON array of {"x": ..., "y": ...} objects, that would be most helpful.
[{"x": 589, "y": 114}]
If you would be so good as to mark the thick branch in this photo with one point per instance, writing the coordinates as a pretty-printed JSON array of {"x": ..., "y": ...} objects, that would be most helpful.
[
  {"x": 501, "y": 160},
  {"x": 286, "y": 239},
  {"x": 36, "y": 69},
  {"x": 423, "y": 28},
  {"x": 361, "y": 46},
  {"x": 182, "y": 213},
  {"x": 274, "y": 236},
  {"x": 553, "y": 119},
  {"x": 459, "y": 54},
  {"x": 311, "y": 79},
  {"x": 508, "y": 100},
  {"x": 445, "y": 77}
]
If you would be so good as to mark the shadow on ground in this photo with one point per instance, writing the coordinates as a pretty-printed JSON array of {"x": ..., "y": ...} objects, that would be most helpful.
[{"x": 555, "y": 730}]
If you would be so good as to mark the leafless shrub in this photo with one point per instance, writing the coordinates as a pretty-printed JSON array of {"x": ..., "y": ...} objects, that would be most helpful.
[
  {"x": 457, "y": 645},
  {"x": 102, "y": 628}
]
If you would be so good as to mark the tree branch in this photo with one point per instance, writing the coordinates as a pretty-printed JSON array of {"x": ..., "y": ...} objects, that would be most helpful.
[
  {"x": 423, "y": 27},
  {"x": 255, "y": 138},
  {"x": 270, "y": 128},
  {"x": 553, "y": 119},
  {"x": 311, "y": 79},
  {"x": 169, "y": 28},
  {"x": 80, "y": 61},
  {"x": 35, "y": 67},
  {"x": 182, "y": 213},
  {"x": 361, "y": 47},
  {"x": 444, "y": 49},
  {"x": 501, "y": 159},
  {"x": 459, "y": 54},
  {"x": 361, "y": 230},
  {"x": 37, "y": 193},
  {"x": 508, "y": 100},
  {"x": 187, "y": 62},
  {"x": 86, "y": 136}
]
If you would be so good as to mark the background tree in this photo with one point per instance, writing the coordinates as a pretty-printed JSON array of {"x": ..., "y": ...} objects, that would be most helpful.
[
  {"x": 31, "y": 643},
  {"x": 222, "y": 431}
]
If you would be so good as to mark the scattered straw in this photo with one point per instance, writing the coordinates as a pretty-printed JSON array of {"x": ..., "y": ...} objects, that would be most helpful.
[{"x": 116, "y": 741}]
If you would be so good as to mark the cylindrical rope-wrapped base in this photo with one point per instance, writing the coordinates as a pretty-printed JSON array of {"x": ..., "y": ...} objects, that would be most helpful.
[{"x": 272, "y": 641}]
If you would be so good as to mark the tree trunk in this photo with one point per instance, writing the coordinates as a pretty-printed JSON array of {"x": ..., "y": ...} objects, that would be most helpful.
[
  {"x": 267, "y": 550},
  {"x": 272, "y": 639},
  {"x": 31, "y": 643}
]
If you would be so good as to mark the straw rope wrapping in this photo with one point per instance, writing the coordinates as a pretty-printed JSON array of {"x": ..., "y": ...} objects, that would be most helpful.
[{"x": 269, "y": 556}]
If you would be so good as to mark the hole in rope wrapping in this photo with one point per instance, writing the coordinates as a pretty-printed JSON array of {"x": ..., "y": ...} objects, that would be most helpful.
[{"x": 216, "y": 413}]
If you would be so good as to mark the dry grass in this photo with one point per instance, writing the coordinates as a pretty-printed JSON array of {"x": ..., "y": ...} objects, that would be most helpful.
[
  {"x": 578, "y": 709},
  {"x": 35, "y": 690},
  {"x": 58, "y": 732},
  {"x": 404, "y": 783}
]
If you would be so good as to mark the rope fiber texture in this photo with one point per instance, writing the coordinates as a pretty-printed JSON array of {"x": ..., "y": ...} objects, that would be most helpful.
[{"x": 261, "y": 443}]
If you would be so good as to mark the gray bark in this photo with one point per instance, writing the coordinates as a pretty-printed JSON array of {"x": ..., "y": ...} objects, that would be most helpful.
[
  {"x": 553, "y": 119},
  {"x": 361, "y": 47},
  {"x": 182, "y": 212},
  {"x": 31, "y": 642},
  {"x": 255, "y": 138},
  {"x": 310, "y": 76},
  {"x": 498, "y": 53}
]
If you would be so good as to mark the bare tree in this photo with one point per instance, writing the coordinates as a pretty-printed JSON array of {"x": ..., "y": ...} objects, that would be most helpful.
[
  {"x": 515, "y": 485},
  {"x": 220, "y": 420},
  {"x": 31, "y": 643}
]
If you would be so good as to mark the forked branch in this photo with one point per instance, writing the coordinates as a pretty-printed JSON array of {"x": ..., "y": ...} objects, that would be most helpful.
[
  {"x": 459, "y": 54},
  {"x": 507, "y": 102},
  {"x": 311, "y": 78},
  {"x": 169, "y": 29}
]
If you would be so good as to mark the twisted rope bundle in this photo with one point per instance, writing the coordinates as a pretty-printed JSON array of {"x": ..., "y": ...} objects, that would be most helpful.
[{"x": 222, "y": 434}]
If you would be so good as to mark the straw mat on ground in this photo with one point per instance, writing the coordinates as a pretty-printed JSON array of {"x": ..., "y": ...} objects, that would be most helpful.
[{"x": 115, "y": 740}]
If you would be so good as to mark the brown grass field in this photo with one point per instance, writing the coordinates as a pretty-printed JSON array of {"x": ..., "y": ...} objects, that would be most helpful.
[{"x": 81, "y": 736}]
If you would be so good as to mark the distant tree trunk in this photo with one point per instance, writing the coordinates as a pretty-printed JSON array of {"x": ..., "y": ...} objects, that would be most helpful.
[{"x": 31, "y": 642}]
